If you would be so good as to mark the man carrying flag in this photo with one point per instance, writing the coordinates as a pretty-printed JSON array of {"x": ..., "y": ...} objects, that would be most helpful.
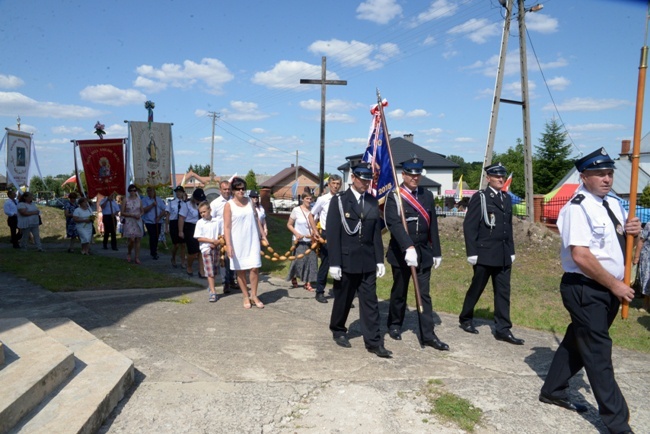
[{"x": 418, "y": 247}]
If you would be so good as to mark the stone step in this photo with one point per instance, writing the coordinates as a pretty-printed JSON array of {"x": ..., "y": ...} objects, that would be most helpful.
[
  {"x": 100, "y": 379},
  {"x": 2, "y": 354},
  {"x": 35, "y": 365}
]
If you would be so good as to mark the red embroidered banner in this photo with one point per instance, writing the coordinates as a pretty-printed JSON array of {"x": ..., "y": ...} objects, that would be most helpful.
[{"x": 103, "y": 162}]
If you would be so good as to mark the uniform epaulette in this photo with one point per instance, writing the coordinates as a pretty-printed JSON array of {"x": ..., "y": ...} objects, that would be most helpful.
[{"x": 578, "y": 199}]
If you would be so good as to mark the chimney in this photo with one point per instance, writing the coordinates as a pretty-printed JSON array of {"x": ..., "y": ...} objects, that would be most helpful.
[
  {"x": 409, "y": 137},
  {"x": 625, "y": 147}
]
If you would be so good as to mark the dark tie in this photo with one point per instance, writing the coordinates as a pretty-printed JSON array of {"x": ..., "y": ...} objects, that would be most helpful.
[
  {"x": 178, "y": 211},
  {"x": 617, "y": 226}
]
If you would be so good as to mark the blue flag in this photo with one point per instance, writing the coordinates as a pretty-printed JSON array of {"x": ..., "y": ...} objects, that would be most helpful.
[{"x": 378, "y": 155}]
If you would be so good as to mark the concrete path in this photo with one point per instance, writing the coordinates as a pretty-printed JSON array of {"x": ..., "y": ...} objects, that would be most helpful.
[{"x": 215, "y": 367}]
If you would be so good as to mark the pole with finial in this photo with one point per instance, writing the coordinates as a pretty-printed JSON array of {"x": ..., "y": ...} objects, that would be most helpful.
[{"x": 18, "y": 122}]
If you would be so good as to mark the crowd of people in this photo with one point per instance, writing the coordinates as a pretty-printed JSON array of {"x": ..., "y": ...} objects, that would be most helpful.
[{"x": 348, "y": 228}]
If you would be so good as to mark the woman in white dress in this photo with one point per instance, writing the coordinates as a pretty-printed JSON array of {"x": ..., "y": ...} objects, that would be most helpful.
[
  {"x": 83, "y": 218},
  {"x": 243, "y": 235}
]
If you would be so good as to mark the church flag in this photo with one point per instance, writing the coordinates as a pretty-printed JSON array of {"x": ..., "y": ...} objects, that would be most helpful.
[
  {"x": 103, "y": 162},
  {"x": 506, "y": 185},
  {"x": 19, "y": 152},
  {"x": 379, "y": 156},
  {"x": 151, "y": 147}
]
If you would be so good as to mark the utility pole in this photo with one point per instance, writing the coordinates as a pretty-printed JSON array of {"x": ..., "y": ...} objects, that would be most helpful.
[
  {"x": 528, "y": 153},
  {"x": 323, "y": 83},
  {"x": 214, "y": 116}
]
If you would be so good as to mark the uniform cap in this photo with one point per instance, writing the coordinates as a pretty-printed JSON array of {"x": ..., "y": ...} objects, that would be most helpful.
[
  {"x": 599, "y": 159},
  {"x": 496, "y": 169},
  {"x": 253, "y": 193},
  {"x": 413, "y": 166},
  {"x": 363, "y": 170},
  {"x": 199, "y": 195},
  {"x": 179, "y": 188}
]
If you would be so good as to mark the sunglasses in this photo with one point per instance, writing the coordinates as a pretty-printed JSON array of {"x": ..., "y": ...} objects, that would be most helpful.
[
  {"x": 131, "y": 191},
  {"x": 238, "y": 189}
]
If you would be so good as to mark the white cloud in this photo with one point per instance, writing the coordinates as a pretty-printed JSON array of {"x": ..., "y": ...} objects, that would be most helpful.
[
  {"x": 286, "y": 74},
  {"x": 397, "y": 114},
  {"x": 588, "y": 104},
  {"x": 438, "y": 9},
  {"x": 116, "y": 130},
  {"x": 489, "y": 67},
  {"x": 335, "y": 105},
  {"x": 258, "y": 131},
  {"x": 10, "y": 81},
  {"x": 71, "y": 131},
  {"x": 378, "y": 11},
  {"x": 13, "y": 103},
  {"x": 428, "y": 41},
  {"x": 417, "y": 113},
  {"x": 356, "y": 54},
  {"x": 558, "y": 83},
  {"x": 476, "y": 30},
  {"x": 431, "y": 131},
  {"x": 595, "y": 127},
  {"x": 243, "y": 111},
  {"x": 541, "y": 23},
  {"x": 339, "y": 117},
  {"x": 356, "y": 140},
  {"x": 111, "y": 95},
  {"x": 211, "y": 73},
  {"x": 464, "y": 140}
]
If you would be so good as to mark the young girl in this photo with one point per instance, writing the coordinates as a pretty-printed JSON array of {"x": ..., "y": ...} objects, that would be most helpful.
[{"x": 206, "y": 233}]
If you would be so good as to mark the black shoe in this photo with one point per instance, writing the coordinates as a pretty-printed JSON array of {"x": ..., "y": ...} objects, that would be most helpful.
[
  {"x": 320, "y": 297},
  {"x": 380, "y": 351},
  {"x": 115, "y": 248},
  {"x": 508, "y": 337},
  {"x": 437, "y": 344},
  {"x": 395, "y": 333},
  {"x": 155, "y": 257},
  {"x": 342, "y": 341},
  {"x": 226, "y": 288},
  {"x": 468, "y": 327},
  {"x": 564, "y": 403},
  {"x": 105, "y": 247}
]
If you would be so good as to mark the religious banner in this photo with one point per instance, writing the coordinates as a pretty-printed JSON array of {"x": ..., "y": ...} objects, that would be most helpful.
[
  {"x": 151, "y": 144},
  {"x": 103, "y": 162},
  {"x": 19, "y": 151}
]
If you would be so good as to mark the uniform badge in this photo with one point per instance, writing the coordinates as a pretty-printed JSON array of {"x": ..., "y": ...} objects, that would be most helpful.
[
  {"x": 347, "y": 215},
  {"x": 491, "y": 194},
  {"x": 493, "y": 219},
  {"x": 619, "y": 229}
]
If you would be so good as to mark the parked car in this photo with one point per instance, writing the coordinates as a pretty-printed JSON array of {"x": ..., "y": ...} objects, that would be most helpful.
[
  {"x": 283, "y": 204},
  {"x": 56, "y": 203}
]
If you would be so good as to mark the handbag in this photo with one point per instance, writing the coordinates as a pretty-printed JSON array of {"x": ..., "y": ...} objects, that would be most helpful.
[{"x": 636, "y": 285}]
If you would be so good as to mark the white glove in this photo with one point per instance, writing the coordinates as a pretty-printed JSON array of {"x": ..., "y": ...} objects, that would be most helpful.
[
  {"x": 512, "y": 258},
  {"x": 336, "y": 273},
  {"x": 472, "y": 259},
  {"x": 381, "y": 270},
  {"x": 411, "y": 257},
  {"x": 436, "y": 261}
]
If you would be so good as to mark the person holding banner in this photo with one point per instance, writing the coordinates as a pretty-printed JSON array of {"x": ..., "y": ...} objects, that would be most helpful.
[
  {"x": 592, "y": 226},
  {"x": 154, "y": 210},
  {"x": 132, "y": 213},
  {"x": 356, "y": 257},
  {"x": 419, "y": 247}
]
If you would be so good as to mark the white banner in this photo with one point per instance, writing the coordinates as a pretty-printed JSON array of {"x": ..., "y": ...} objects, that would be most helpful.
[
  {"x": 19, "y": 152},
  {"x": 151, "y": 145}
]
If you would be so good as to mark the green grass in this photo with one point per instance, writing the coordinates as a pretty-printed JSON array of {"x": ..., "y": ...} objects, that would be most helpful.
[{"x": 452, "y": 408}]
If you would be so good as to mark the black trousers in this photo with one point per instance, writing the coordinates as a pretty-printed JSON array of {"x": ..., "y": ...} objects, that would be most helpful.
[
  {"x": 501, "y": 284},
  {"x": 398, "y": 294},
  {"x": 366, "y": 285},
  {"x": 587, "y": 344},
  {"x": 153, "y": 230},
  {"x": 12, "y": 222},
  {"x": 109, "y": 231},
  {"x": 324, "y": 267}
]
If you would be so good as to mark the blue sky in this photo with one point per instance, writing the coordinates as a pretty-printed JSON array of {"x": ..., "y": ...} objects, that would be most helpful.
[{"x": 67, "y": 64}]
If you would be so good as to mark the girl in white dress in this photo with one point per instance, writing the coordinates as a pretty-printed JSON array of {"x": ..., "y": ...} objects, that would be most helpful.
[{"x": 243, "y": 235}]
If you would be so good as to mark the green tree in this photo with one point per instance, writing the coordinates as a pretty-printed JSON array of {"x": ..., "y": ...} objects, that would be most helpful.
[
  {"x": 200, "y": 169},
  {"x": 644, "y": 198},
  {"x": 551, "y": 161},
  {"x": 251, "y": 181},
  {"x": 471, "y": 172}
]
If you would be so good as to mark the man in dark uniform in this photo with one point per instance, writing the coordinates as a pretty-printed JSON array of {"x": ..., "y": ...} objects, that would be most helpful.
[
  {"x": 356, "y": 258},
  {"x": 491, "y": 251},
  {"x": 592, "y": 287},
  {"x": 419, "y": 247}
]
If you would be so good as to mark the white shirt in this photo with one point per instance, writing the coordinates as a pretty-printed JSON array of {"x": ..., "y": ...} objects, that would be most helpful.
[
  {"x": 216, "y": 209},
  {"x": 189, "y": 212},
  {"x": 207, "y": 229},
  {"x": 109, "y": 206},
  {"x": 173, "y": 207},
  {"x": 588, "y": 225},
  {"x": 10, "y": 207},
  {"x": 300, "y": 223},
  {"x": 321, "y": 207}
]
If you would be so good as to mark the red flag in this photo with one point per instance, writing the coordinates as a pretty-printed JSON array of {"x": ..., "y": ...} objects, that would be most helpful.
[
  {"x": 103, "y": 162},
  {"x": 506, "y": 185}
]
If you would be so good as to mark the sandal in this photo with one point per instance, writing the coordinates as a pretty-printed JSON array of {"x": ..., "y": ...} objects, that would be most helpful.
[
  {"x": 247, "y": 303},
  {"x": 212, "y": 298},
  {"x": 294, "y": 282},
  {"x": 128, "y": 258},
  {"x": 174, "y": 263},
  {"x": 308, "y": 287},
  {"x": 258, "y": 303},
  {"x": 137, "y": 261}
]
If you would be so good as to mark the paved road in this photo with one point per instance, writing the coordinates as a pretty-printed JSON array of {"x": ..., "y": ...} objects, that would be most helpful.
[{"x": 213, "y": 368}]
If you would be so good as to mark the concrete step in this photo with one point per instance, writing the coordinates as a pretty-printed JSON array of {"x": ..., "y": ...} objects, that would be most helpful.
[
  {"x": 2, "y": 354},
  {"x": 100, "y": 379},
  {"x": 35, "y": 365}
]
